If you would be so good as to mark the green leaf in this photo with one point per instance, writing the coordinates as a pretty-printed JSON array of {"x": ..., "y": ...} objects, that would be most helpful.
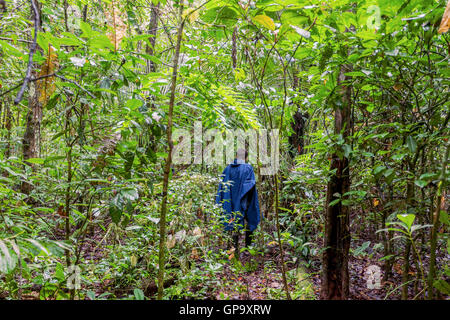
[
  {"x": 114, "y": 211},
  {"x": 134, "y": 103},
  {"x": 443, "y": 217},
  {"x": 59, "y": 134},
  {"x": 69, "y": 39},
  {"x": 36, "y": 160},
  {"x": 265, "y": 21},
  {"x": 442, "y": 285},
  {"x": 334, "y": 202},
  {"x": 7, "y": 261},
  {"x": 130, "y": 194},
  {"x": 378, "y": 170},
  {"x": 367, "y": 35},
  {"x": 358, "y": 251},
  {"x": 428, "y": 176},
  {"x": 43, "y": 41},
  {"x": 408, "y": 219},
  {"x": 101, "y": 42},
  {"x": 138, "y": 294},
  {"x": 86, "y": 28},
  {"x": 10, "y": 50},
  {"x": 91, "y": 295},
  {"x": 418, "y": 227},
  {"x": 38, "y": 246},
  {"x": 420, "y": 183},
  {"x": 347, "y": 150},
  {"x": 388, "y": 172},
  {"x": 411, "y": 143},
  {"x": 398, "y": 156},
  {"x": 355, "y": 74}
]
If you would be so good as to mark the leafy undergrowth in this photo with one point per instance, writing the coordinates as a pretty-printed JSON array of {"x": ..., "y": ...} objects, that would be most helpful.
[{"x": 119, "y": 261}]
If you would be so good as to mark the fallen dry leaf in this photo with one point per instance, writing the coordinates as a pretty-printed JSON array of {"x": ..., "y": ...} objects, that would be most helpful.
[{"x": 445, "y": 23}]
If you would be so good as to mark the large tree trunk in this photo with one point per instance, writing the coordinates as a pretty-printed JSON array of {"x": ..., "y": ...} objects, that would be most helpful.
[{"x": 335, "y": 277}]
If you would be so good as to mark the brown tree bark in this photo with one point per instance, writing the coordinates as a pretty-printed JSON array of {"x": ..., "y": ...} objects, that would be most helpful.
[
  {"x": 8, "y": 126},
  {"x": 335, "y": 277},
  {"x": 440, "y": 206},
  {"x": 162, "y": 221},
  {"x": 410, "y": 193},
  {"x": 297, "y": 140},
  {"x": 151, "y": 66},
  {"x": 152, "y": 31},
  {"x": 234, "y": 48},
  {"x": 31, "y": 138}
]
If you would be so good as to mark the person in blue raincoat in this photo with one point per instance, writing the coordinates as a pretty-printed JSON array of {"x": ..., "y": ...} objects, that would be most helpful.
[{"x": 238, "y": 197}]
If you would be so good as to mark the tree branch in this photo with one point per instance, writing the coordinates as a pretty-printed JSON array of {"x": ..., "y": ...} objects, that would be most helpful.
[{"x": 33, "y": 47}]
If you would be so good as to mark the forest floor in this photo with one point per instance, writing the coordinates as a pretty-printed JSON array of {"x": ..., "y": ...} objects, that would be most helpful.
[{"x": 254, "y": 276}]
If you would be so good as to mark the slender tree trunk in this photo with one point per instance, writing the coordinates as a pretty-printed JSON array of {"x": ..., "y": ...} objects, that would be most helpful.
[
  {"x": 31, "y": 138},
  {"x": 85, "y": 11},
  {"x": 440, "y": 205},
  {"x": 151, "y": 66},
  {"x": 162, "y": 221},
  {"x": 8, "y": 127},
  {"x": 280, "y": 245},
  {"x": 65, "y": 15},
  {"x": 67, "y": 212},
  {"x": 405, "y": 271},
  {"x": 410, "y": 202},
  {"x": 234, "y": 48},
  {"x": 152, "y": 32},
  {"x": 335, "y": 277},
  {"x": 387, "y": 236},
  {"x": 297, "y": 138}
]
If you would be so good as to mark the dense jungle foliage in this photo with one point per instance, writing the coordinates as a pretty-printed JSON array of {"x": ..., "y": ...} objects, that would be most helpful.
[{"x": 93, "y": 206}]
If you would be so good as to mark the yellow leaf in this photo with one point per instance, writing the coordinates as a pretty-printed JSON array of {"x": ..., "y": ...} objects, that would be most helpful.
[
  {"x": 191, "y": 14},
  {"x": 133, "y": 260},
  {"x": 117, "y": 26},
  {"x": 265, "y": 21},
  {"x": 46, "y": 86},
  {"x": 376, "y": 202},
  {"x": 445, "y": 23}
]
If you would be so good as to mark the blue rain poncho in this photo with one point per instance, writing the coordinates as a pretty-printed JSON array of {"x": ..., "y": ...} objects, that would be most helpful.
[{"x": 238, "y": 196}]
